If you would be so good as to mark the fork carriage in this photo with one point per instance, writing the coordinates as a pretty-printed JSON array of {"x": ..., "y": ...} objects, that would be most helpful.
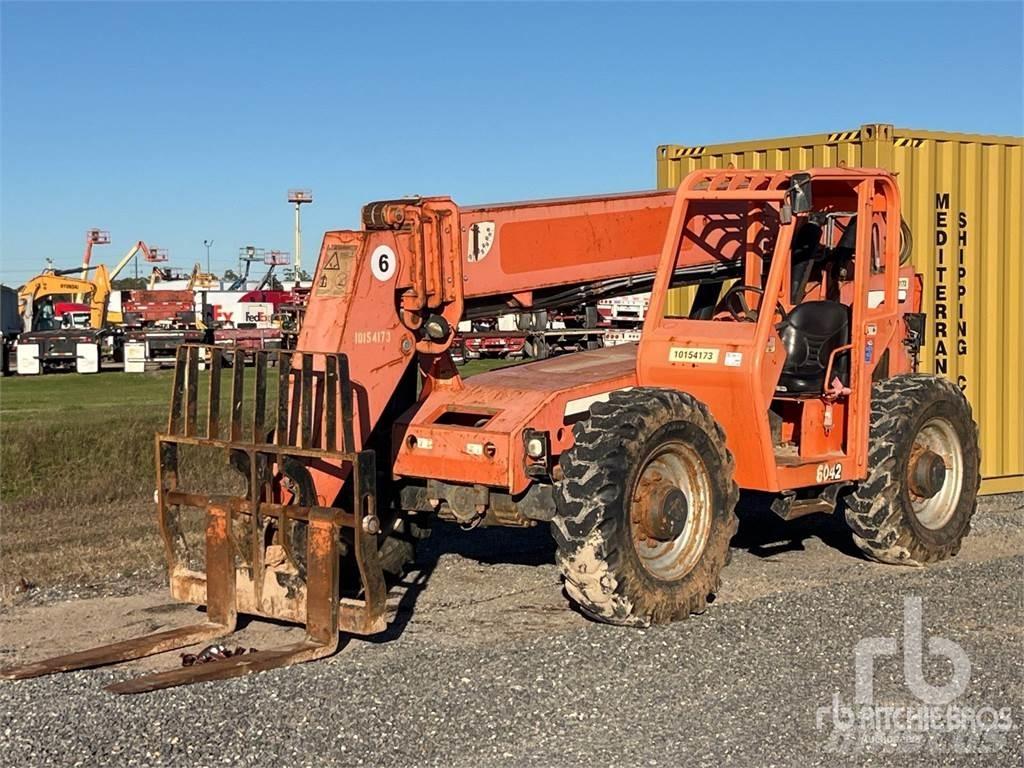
[
  {"x": 313, "y": 400},
  {"x": 300, "y": 580}
]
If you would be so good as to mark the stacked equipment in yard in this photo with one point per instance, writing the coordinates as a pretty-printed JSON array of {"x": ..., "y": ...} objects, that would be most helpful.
[
  {"x": 159, "y": 321},
  {"x": 623, "y": 317},
  {"x": 537, "y": 335}
]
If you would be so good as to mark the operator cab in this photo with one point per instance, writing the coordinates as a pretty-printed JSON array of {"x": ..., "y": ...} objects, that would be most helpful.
[
  {"x": 45, "y": 319},
  {"x": 798, "y": 278},
  {"x": 813, "y": 322}
]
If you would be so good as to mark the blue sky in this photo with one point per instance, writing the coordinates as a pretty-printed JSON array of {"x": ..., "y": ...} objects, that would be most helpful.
[{"x": 176, "y": 122}]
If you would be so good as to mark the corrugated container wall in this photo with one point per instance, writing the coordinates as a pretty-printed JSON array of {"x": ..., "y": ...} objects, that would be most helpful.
[{"x": 962, "y": 196}]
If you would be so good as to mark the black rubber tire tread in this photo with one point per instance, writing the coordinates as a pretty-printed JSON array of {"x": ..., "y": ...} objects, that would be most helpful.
[
  {"x": 878, "y": 510},
  {"x": 397, "y": 550},
  {"x": 602, "y": 573}
]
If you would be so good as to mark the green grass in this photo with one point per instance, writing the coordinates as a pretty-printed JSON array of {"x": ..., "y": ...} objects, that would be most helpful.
[
  {"x": 109, "y": 396},
  {"x": 68, "y": 439},
  {"x": 59, "y": 396}
]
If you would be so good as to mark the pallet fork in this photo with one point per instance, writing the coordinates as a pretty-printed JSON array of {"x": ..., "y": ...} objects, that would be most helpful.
[{"x": 237, "y": 574}]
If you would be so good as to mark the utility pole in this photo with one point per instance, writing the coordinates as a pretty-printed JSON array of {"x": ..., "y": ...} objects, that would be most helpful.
[
  {"x": 299, "y": 197},
  {"x": 208, "y": 243}
]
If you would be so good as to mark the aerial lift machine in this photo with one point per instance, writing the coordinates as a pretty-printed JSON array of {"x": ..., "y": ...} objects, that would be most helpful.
[{"x": 793, "y": 372}]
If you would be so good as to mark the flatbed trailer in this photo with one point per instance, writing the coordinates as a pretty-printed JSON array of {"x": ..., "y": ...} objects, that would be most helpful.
[
  {"x": 244, "y": 343},
  {"x": 529, "y": 344},
  {"x": 82, "y": 350},
  {"x": 147, "y": 348}
]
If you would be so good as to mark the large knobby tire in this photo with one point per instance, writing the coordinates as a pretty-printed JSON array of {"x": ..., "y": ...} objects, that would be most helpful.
[
  {"x": 916, "y": 504},
  {"x": 645, "y": 508}
]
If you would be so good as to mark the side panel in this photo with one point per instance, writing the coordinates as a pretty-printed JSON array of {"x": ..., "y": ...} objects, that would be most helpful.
[{"x": 962, "y": 197}]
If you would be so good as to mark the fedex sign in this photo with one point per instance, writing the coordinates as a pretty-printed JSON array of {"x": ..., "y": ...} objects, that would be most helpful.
[{"x": 248, "y": 312}]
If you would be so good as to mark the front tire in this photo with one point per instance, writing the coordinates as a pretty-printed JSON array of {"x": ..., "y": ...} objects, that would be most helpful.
[
  {"x": 645, "y": 508},
  {"x": 916, "y": 504}
]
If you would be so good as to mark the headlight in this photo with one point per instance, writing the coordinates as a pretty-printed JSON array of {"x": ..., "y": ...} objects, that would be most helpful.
[{"x": 535, "y": 448}]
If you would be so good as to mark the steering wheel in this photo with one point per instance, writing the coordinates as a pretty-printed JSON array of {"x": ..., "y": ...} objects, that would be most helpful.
[{"x": 735, "y": 303}]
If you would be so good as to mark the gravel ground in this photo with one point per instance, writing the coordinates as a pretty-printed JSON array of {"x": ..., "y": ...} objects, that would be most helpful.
[{"x": 488, "y": 668}]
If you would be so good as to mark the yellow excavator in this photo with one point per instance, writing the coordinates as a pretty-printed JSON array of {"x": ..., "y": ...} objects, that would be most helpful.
[
  {"x": 47, "y": 340},
  {"x": 57, "y": 282},
  {"x": 37, "y": 314}
]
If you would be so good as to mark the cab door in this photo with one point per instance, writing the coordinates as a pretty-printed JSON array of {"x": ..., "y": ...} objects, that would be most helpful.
[
  {"x": 729, "y": 364},
  {"x": 875, "y": 298}
]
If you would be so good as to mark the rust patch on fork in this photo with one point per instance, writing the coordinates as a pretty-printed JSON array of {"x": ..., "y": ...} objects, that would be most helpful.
[{"x": 321, "y": 623}]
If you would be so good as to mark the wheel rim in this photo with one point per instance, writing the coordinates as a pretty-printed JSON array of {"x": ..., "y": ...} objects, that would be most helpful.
[
  {"x": 937, "y": 437},
  {"x": 669, "y": 548}
]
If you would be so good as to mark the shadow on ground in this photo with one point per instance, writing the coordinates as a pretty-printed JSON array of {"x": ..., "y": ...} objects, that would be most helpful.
[{"x": 761, "y": 533}]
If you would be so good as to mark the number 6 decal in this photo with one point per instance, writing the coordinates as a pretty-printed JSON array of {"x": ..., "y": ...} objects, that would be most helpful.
[{"x": 383, "y": 263}]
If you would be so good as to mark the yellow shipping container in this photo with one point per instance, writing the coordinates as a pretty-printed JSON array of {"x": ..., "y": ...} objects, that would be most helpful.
[{"x": 962, "y": 197}]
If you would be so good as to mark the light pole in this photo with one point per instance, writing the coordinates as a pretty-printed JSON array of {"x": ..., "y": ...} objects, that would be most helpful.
[
  {"x": 299, "y": 197},
  {"x": 208, "y": 243}
]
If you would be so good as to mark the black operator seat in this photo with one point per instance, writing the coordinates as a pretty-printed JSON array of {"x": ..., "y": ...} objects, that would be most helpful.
[
  {"x": 813, "y": 329},
  {"x": 811, "y": 332}
]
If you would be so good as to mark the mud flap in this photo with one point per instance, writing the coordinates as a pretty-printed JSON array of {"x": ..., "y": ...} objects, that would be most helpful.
[
  {"x": 87, "y": 357},
  {"x": 28, "y": 363}
]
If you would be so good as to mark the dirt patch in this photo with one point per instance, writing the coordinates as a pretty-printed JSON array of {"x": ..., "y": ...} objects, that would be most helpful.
[{"x": 44, "y": 546}]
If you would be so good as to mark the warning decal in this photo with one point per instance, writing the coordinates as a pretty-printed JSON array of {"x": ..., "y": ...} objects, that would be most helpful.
[
  {"x": 332, "y": 261},
  {"x": 333, "y": 277}
]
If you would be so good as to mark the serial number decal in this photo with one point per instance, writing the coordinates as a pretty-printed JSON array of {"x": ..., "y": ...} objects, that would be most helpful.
[
  {"x": 826, "y": 472},
  {"x": 373, "y": 337},
  {"x": 692, "y": 355}
]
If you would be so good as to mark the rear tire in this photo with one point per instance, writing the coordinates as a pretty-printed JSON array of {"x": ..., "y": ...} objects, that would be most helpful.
[
  {"x": 911, "y": 417},
  {"x": 633, "y": 459}
]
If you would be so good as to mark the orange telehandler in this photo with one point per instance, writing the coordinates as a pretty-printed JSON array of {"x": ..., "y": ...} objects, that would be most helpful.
[{"x": 791, "y": 371}]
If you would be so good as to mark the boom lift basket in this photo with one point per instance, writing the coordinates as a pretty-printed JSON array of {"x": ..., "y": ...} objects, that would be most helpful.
[{"x": 310, "y": 424}]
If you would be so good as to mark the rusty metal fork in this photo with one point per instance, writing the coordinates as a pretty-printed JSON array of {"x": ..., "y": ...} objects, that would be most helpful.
[
  {"x": 321, "y": 622},
  {"x": 220, "y": 610}
]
